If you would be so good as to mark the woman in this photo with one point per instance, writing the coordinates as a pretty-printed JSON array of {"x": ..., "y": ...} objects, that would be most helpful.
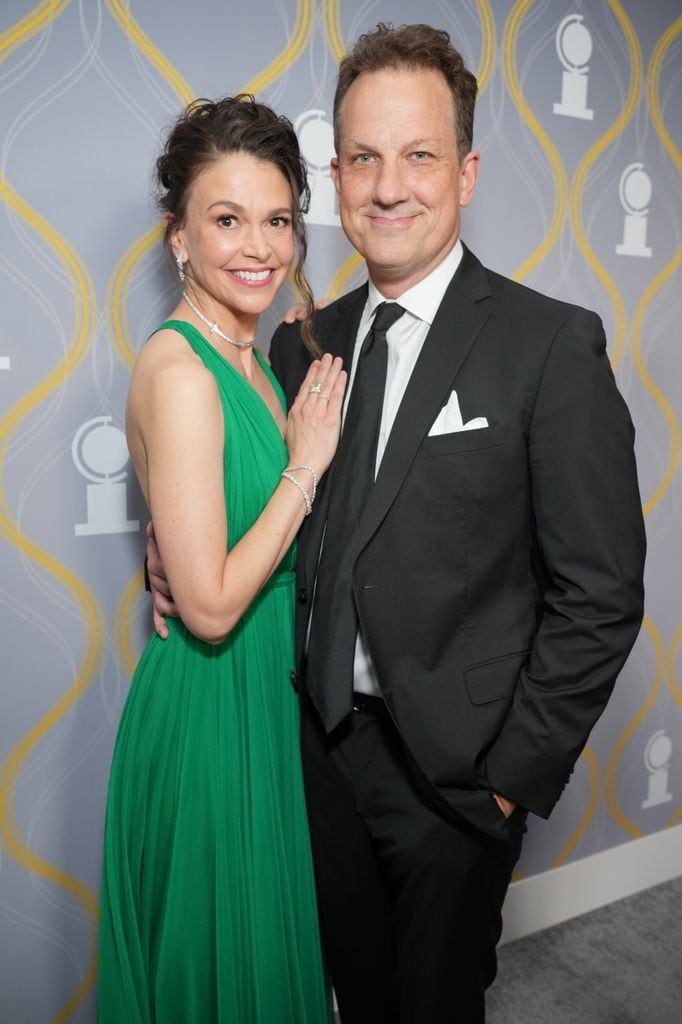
[{"x": 208, "y": 906}]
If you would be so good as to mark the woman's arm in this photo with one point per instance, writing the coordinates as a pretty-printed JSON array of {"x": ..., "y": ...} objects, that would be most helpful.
[{"x": 175, "y": 415}]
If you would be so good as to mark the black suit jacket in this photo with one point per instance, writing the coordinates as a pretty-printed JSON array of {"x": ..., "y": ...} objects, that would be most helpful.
[{"x": 498, "y": 571}]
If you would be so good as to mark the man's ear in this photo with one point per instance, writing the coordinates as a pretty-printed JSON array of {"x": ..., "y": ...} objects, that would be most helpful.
[
  {"x": 335, "y": 173},
  {"x": 468, "y": 176}
]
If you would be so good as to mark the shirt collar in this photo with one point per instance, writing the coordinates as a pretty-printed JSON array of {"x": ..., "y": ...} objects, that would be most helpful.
[{"x": 422, "y": 299}]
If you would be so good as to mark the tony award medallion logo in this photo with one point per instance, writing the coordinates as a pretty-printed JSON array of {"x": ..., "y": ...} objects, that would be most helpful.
[
  {"x": 634, "y": 192},
  {"x": 657, "y": 761},
  {"x": 574, "y": 48},
  {"x": 99, "y": 452},
  {"x": 316, "y": 139}
]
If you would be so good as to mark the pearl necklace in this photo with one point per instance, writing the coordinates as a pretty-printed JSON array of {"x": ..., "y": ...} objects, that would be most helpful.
[{"x": 213, "y": 328}]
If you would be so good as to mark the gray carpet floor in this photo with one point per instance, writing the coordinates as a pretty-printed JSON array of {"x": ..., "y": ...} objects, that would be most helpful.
[{"x": 621, "y": 964}]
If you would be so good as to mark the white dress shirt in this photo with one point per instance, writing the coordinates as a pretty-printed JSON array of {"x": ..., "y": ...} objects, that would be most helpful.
[{"x": 405, "y": 340}]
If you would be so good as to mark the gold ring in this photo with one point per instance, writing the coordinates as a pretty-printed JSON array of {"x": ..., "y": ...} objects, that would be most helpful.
[
  {"x": 315, "y": 388},
  {"x": 327, "y": 397}
]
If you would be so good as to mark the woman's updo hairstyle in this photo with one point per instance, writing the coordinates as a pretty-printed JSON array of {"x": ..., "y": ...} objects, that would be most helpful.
[{"x": 207, "y": 130}]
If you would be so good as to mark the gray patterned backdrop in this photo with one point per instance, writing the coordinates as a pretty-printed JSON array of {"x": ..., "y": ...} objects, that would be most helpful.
[{"x": 580, "y": 126}]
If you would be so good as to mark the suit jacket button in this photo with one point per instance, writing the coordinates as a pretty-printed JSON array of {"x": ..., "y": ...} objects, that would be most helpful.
[
  {"x": 293, "y": 677},
  {"x": 302, "y": 596}
]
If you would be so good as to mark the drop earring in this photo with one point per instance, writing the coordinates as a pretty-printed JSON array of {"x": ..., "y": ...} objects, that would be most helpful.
[{"x": 181, "y": 266}]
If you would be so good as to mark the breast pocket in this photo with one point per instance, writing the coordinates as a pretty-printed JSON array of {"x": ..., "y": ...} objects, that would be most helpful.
[{"x": 465, "y": 441}]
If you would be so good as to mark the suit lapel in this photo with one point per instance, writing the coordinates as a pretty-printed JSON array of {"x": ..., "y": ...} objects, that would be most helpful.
[
  {"x": 460, "y": 317},
  {"x": 338, "y": 337},
  {"x": 338, "y": 333}
]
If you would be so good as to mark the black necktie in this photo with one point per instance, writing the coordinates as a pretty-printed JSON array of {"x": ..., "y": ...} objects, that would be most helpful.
[{"x": 331, "y": 648}]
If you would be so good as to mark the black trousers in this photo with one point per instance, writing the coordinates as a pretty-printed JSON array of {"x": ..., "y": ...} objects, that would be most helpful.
[{"x": 409, "y": 901}]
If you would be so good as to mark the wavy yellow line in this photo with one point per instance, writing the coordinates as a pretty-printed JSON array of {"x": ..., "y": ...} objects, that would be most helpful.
[
  {"x": 13, "y": 765},
  {"x": 35, "y": 21},
  {"x": 124, "y": 621},
  {"x": 339, "y": 281},
  {"x": 592, "y": 766},
  {"x": 331, "y": 14},
  {"x": 83, "y": 597},
  {"x": 121, "y": 12},
  {"x": 675, "y": 438},
  {"x": 488, "y": 45},
  {"x": 120, "y": 280},
  {"x": 116, "y": 302},
  {"x": 659, "y": 674},
  {"x": 675, "y": 687},
  {"x": 655, "y": 65},
  {"x": 584, "y": 166},
  {"x": 509, "y": 53},
  {"x": 290, "y": 52},
  {"x": 83, "y": 325}
]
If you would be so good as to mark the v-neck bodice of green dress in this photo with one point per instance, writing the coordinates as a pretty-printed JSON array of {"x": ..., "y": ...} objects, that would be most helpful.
[
  {"x": 208, "y": 902},
  {"x": 255, "y": 453}
]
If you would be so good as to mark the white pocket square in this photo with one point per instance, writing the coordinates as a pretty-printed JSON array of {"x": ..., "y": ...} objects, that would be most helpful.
[{"x": 449, "y": 419}]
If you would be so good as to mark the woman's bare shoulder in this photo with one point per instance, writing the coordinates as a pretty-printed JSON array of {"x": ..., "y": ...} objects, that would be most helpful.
[
  {"x": 169, "y": 378},
  {"x": 166, "y": 359}
]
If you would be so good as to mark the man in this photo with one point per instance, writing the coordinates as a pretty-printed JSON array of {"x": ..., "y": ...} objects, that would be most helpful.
[{"x": 464, "y": 615}]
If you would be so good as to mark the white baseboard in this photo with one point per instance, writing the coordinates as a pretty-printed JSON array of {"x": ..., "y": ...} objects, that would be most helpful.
[{"x": 554, "y": 896}]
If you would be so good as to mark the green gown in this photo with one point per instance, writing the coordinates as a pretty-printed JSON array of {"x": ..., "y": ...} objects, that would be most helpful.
[{"x": 208, "y": 912}]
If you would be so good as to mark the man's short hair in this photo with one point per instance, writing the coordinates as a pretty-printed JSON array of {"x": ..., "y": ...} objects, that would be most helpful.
[{"x": 412, "y": 48}]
